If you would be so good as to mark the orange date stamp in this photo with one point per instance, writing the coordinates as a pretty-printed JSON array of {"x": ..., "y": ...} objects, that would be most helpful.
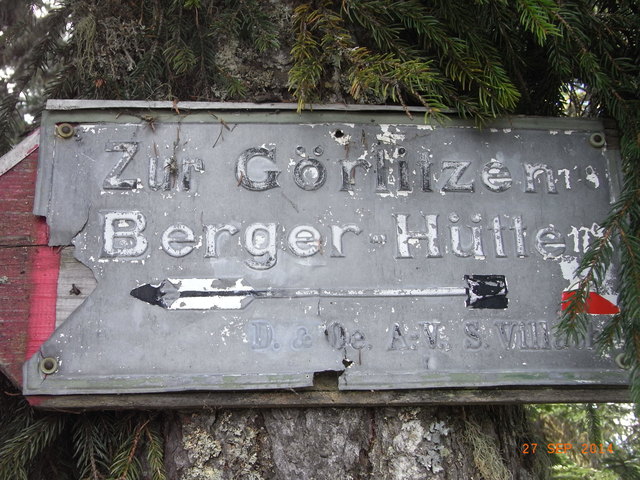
[{"x": 566, "y": 447}]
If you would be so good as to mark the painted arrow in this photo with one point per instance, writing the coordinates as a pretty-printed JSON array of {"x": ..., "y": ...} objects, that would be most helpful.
[{"x": 482, "y": 291}]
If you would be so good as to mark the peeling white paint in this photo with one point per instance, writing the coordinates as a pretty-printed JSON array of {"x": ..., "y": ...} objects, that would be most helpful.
[
  {"x": 565, "y": 172},
  {"x": 568, "y": 266},
  {"x": 591, "y": 176},
  {"x": 387, "y": 136}
]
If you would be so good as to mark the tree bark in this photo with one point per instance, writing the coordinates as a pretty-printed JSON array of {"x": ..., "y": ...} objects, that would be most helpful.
[{"x": 440, "y": 443}]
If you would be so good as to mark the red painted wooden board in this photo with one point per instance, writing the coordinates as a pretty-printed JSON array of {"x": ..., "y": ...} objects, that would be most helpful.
[{"x": 28, "y": 271}]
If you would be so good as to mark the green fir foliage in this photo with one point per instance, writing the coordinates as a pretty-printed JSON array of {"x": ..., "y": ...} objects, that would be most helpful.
[
  {"x": 86, "y": 446},
  {"x": 605, "y": 440}
]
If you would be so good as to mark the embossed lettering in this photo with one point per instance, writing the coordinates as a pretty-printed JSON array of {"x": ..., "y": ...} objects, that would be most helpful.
[
  {"x": 309, "y": 174},
  {"x": 358, "y": 340},
  {"x": 497, "y": 237},
  {"x": 336, "y": 335},
  {"x": 177, "y": 240},
  {"x": 518, "y": 230},
  {"x": 336, "y": 237},
  {"x": 510, "y": 335},
  {"x": 123, "y": 234},
  {"x": 403, "y": 235},
  {"x": 211, "y": 237},
  {"x": 403, "y": 173},
  {"x": 260, "y": 241},
  {"x": 533, "y": 171},
  {"x": 425, "y": 167},
  {"x": 496, "y": 177},
  {"x": 549, "y": 242},
  {"x": 563, "y": 342},
  {"x": 398, "y": 342},
  {"x": 188, "y": 166},
  {"x": 261, "y": 335},
  {"x": 242, "y": 167},
  {"x": 436, "y": 338},
  {"x": 382, "y": 178},
  {"x": 113, "y": 181},
  {"x": 304, "y": 241},
  {"x": 453, "y": 184},
  {"x": 476, "y": 237},
  {"x": 473, "y": 341},
  {"x": 154, "y": 184},
  {"x": 583, "y": 236},
  {"x": 349, "y": 172},
  {"x": 302, "y": 339},
  {"x": 524, "y": 335}
]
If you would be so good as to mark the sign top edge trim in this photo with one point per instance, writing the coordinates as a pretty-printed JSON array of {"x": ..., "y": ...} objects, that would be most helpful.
[
  {"x": 517, "y": 121},
  {"x": 73, "y": 104}
]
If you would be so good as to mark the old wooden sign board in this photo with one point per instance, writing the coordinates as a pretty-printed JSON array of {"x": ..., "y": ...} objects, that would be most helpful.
[{"x": 244, "y": 248}]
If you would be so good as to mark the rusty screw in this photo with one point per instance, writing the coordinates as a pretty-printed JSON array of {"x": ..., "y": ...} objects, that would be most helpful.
[{"x": 65, "y": 130}]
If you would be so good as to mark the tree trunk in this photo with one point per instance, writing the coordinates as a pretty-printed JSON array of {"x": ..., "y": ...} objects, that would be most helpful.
[{"x": 351, "y": 443}]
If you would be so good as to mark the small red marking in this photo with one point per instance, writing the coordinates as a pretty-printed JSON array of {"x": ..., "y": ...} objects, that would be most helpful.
[
  {"x": 35, "y": 400},
  {"x": 44, "y": 292},
  {"x": 596, "y": 304}
]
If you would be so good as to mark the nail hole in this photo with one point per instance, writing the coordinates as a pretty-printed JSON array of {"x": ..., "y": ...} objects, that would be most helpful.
[{"x": 338, "y": 133}]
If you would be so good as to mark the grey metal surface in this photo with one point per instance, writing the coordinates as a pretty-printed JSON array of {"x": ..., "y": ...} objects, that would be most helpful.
[
  {"x": 233, "y": 251},
  {"x": 72, "y": 104}
]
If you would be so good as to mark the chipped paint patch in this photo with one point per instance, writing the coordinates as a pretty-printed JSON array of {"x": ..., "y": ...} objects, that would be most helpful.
[
  {"x": 568, "y": 266},
  {"x": 592, "y": 176},
  {"x": 340, "y": 137},
  {"x": 389, "y": 137}
]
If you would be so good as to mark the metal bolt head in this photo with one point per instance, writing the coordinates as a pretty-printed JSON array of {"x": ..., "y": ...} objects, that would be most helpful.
[
  {"x": 622, "y": 362},
  {"x": 49, "y": 365},
  {"x": 65, "y": 130},
  {"x": 597, "y": 140}
]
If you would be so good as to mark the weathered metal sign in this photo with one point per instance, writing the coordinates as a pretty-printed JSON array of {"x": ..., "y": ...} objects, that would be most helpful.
[{"x": 251, "y": 250}]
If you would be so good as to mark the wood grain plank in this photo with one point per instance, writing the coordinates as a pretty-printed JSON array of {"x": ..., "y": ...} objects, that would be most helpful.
[
  {"x": 18, "y": 239},
  {"x": 75, "y": 283},
  {"x": 331, "y": 398}
]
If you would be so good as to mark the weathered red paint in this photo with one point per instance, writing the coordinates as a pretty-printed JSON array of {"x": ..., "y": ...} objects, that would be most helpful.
[
  {"x": 27, "y": 270},
  {"x": 44, "y": 284},
  {"x": 596, "y": 304}
]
